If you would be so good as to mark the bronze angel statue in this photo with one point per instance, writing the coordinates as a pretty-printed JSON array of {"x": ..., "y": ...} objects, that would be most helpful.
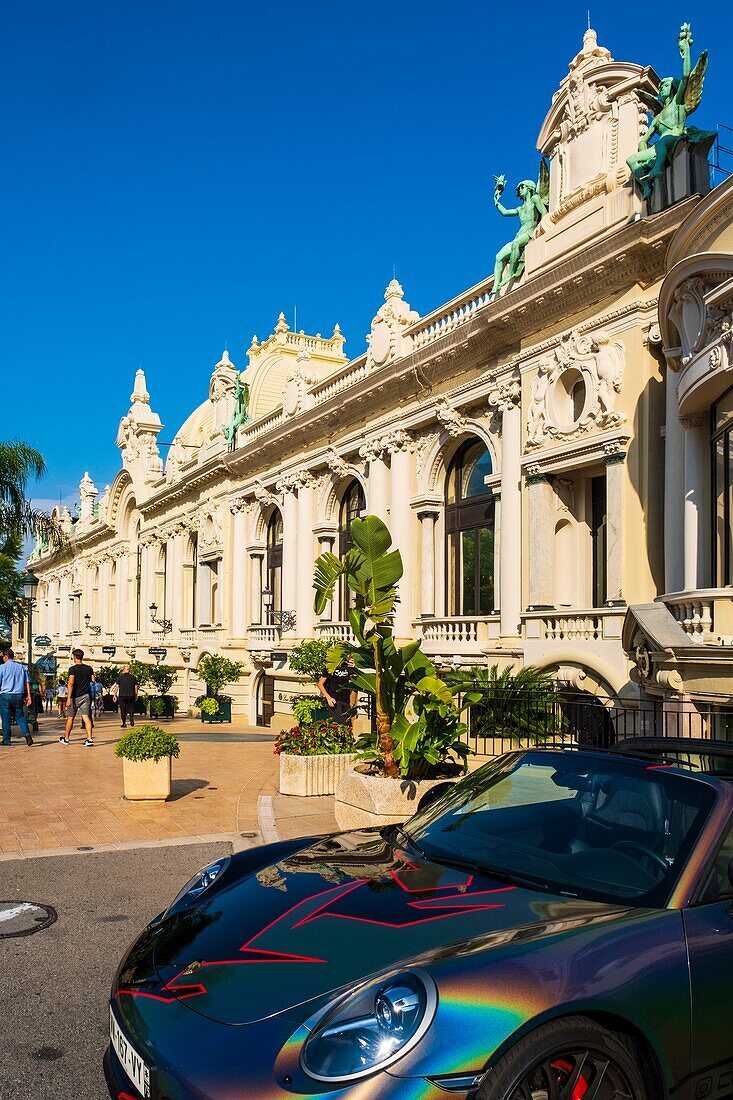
[
  {"x": 509, "y": 263},
  {"x": 671, "y": 107}
]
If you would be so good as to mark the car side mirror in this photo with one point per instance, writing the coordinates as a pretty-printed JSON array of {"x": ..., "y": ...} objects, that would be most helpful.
[{"x": 432, "y": 795}]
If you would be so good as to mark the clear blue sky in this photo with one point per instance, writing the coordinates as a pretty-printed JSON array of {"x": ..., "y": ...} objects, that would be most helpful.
[{"x": 175, "y": 174}]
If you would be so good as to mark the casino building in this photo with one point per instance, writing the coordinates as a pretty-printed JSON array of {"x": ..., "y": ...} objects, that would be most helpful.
[{"x": 554, "y": 462}]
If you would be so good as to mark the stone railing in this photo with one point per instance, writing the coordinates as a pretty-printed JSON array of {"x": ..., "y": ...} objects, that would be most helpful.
[
  {"x": 260, "y": 637},
  {"x": 456, "y": 313},
  {"x": 261, "y": 427},
  {"x": 188, "y": 637},
  {"x": 348, "y": 376},
  {"x": 706, "y": 614},
  {"x": 592, "y": 625},
  {"x": 132, "y": 637},
  {"x": 457, "y": 634},
  {"x": 339, "y": 631}
]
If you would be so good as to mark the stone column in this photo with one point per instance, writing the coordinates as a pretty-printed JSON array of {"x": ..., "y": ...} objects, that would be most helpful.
[
  {"x": 304, "y": 613},
  {"x": 326, "y": 533},
  {"x": 427, "y": 511},
  {"x": 541, "y": 539},
  {"x": 400, "y": 524},
  {"x": 693, "y": 511},
  {"x": 174, "y": 583},
  {"x": 506, "y": 398},
  {"x": 615, "y": 481},
  {"x": 674, "y": 490},
  {"x": 237, "y": 567},
  {"x": 378, "y": 497},
  {"x": 256, "y": 556},
  {"x": 290, "y": 545}
]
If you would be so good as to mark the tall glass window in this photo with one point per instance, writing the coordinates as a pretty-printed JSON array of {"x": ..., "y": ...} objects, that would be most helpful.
[
  {"x": 721, "y": 433},
  {"x": 275, "y": 558},
  {"x": 352, "y": 504},
  {"x": 469, "y": 526}
]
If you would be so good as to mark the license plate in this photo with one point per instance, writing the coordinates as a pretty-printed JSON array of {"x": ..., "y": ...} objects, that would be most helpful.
[{"x": 136, "y": 1069}]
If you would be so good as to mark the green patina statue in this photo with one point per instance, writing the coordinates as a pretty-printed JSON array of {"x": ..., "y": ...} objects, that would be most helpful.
[
  {"x": 671, "y": 107},
  {"x": 509, "y": 263},
  {"x": 240, "y": 415}
]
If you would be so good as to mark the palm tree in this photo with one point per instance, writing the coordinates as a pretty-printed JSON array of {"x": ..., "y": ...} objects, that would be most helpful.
[{"x": 19, "y": 464}]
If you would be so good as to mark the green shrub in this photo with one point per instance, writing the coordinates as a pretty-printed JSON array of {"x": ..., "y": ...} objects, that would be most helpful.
[
  {"x": 162, "y": 677},
  {"x": 305, "y": 707},
  {"x": 106, "y": 675},
  {"x": 221, "y": 698},
  {"x": 157, "y": 705},
  {"x": 325, "y": 738},
  {"x": 141, "y": 672},
  {"x": 308, "y": 658},
  {"x": 209, "y": 705},
  {"x": 217, "y": 671},
  {"x": 147, "y": 743}
]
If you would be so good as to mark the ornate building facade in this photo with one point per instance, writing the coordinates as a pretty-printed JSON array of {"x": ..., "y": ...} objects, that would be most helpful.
[{"x": 514, "y": 444}]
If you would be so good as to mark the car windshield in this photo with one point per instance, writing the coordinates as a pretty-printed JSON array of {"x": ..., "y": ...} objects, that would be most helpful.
[{"x": 584, "y": 826}]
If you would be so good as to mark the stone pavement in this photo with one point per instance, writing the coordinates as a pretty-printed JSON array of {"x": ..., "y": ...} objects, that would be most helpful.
[{"x": 224, "y": 784}]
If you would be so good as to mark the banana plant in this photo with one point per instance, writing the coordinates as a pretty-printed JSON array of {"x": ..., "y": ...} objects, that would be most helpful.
[{"x": 418, "y": 722}]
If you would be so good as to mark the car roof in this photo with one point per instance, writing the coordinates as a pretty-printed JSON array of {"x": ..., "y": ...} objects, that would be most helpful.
[{"x": 704, "y": 755}]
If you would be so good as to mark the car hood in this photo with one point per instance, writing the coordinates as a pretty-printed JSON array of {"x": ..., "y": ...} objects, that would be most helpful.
[{"x": 333, "y": 913}]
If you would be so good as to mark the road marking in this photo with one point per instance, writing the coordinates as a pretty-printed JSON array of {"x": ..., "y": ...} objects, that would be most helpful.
[{"x": 10, "y": 914}]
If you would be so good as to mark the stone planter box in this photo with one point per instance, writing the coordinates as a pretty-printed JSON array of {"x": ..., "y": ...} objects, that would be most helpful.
[
  {"x": 310, "y": 775},
  {"x": 364, "y": 800},
  {"x": 147, "y": 780}
]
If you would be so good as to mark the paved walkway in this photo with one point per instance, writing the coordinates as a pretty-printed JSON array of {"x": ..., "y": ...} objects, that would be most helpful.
[{"x": 224, "y": 784}]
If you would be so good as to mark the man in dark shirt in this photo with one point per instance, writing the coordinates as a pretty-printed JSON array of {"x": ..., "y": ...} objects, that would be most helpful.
[
  {"x": 339, "y": 695},
  {"x": 80, "y": 698},
  {"x": 125, "y": 691}
]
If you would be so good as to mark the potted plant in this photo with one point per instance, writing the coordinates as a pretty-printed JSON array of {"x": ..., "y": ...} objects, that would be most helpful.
[
  {"x": 314, "y": 757},
  {"x": 162, "y": 677},
  {"x": 141, "y": 672},
  {"x": 106, "y": 676},
  {"x": 146, "y": 754},
  {"x": 216, "y": 672},
  {"x": 419, "y": 730}
]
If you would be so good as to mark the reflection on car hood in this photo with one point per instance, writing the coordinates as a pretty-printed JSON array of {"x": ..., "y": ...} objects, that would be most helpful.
[{"x": 334, "y": 913}]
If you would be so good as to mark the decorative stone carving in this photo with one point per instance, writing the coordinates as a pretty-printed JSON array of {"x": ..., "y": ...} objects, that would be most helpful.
[
  {"x": 336, "y": 463},
  {"x": 305, "y": 374},
  {"x": 398, "y": 440},
  {"x": 506, "y": 395},
  {"x": 372, "y": 450},
  {"x": 388, "y": 339},
  {"x": 210, "y": 531},
  {"x": 453, "y": 422},
  {"x": 264, "y": 497},
  {"x": 223, "y": 379},
  {"x": 88, "y": 493},
  {"x": 138, "y": 433},
  {"x": 565, "y": 490},
  {"x": 177, "y": 457},
  {"x": 598, "y": 363}
]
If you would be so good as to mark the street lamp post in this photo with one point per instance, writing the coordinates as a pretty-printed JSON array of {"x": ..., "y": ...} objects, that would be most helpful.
[
  {"x": 284, "y": 619},
  {"x": 165, "y": 625},
  {"x": 93, "y": 630},
  {"x": 30, "y": 584}
]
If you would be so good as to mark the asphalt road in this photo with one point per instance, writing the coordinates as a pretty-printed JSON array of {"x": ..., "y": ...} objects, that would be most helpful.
[{"x": 54, "y": 984}]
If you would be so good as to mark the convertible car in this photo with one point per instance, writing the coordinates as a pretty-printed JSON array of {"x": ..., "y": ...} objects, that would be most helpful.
[{"x": 555, "y": 926}]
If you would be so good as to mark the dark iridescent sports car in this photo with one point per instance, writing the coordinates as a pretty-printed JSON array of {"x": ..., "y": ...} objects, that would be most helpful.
[{"x": 556, "y": 926}]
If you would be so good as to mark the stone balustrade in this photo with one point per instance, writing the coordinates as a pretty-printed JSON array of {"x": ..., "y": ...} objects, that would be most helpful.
[
  {"x": 260, "y": 637},
  {"x": 698, "y": 613},
  {"x": 456, "y": 635},
  {"x": 338, "y": 631},
  {"x": 456, "y": 313},
  {"x": 348, "y": 376},
  {"x": 584, "y": 625},
  {"x": 189, "y": 637}
]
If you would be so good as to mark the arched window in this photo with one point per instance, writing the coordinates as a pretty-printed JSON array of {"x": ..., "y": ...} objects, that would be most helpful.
[
  {"x": 275, "y": 558},
  {"x": 352, "y": 504},
  {"x": 160, "y": 580},
  {"x": 190, "y": 583},
  {"x": 469, "y": 527}
]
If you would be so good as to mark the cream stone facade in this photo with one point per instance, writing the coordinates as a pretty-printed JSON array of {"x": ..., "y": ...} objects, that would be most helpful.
[{"x": 514, "y": 444}]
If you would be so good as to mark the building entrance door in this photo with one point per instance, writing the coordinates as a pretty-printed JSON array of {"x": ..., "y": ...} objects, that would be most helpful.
[{"x": 265, "y": 700}]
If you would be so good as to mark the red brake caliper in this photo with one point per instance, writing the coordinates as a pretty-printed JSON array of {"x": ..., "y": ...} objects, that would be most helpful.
[{"x": 581, "y": 1085}]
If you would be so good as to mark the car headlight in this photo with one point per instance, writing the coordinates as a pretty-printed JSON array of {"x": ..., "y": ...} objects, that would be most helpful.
[
  {"x": 200, "y": 882},
  {"x": 371, "y": 1028}
]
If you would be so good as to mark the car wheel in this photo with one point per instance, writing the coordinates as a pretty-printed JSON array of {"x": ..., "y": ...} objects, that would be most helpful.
[{"x": 570, "y": 1059}]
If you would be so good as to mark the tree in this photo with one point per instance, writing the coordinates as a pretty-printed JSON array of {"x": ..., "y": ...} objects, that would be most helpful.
[
  {"x": 418, "y": 721},
  {"x": 11, "y": 579},
  {"x": 162, "y": 677},
  {"x": 217, "y": 671},
  {"x": 20, "y": 464}
]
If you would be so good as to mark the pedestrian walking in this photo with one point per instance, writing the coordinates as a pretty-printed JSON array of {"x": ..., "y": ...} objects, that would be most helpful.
[
  {"x": 48, "y": 695},
  {"x": 341, "y": 698},
  {"x": 15, "y": 692},
  {"x": 80, "y": 686},
  {"x": 61, "y": 691},
  {"x": 125, "y": 692}
]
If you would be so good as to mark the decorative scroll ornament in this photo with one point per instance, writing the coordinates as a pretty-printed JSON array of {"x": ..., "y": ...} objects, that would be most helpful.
[
  {"x": 398, "y": 440},
  {"x": 453, "y": 422},
  {"x": 371, "y": 450},
  {"x": 224, "y": 379},
  {"x": 506, "y": 395},
  {"x": 575, "y": 389},
  {"x": 336, "y": 463},
  {"x": 264, "y": 496},
  {"x": 177, "y": 457},
  {"x": 388, "y": 338}
]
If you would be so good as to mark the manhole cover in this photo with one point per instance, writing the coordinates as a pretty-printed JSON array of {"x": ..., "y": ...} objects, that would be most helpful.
[{"x": 23, "y": 918}]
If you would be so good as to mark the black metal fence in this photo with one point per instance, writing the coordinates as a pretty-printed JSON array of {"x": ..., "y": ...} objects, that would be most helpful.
[{"x": 564, "y": 717}]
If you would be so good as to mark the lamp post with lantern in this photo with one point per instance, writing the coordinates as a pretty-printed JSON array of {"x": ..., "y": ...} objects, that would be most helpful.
[{"x": 30, "y": 586}]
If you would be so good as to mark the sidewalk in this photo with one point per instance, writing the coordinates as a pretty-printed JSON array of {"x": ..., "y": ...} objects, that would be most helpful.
[{"x": 224, "y": 782}]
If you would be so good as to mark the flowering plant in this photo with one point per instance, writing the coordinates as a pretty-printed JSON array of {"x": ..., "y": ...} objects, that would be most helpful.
[{"x": 319, "y": 739}]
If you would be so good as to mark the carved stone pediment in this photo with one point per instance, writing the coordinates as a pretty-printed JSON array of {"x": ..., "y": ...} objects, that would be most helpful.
[
  {"x": 575, "y": 389},
  {"x": 388, "y": 339}
]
